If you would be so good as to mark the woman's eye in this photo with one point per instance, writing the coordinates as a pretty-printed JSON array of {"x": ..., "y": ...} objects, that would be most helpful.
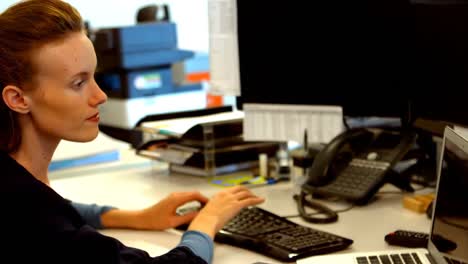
[{"x": 78, "y": 83}]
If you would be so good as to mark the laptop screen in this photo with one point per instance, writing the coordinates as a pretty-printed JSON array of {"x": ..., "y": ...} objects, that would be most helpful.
[{"x": 450, "y": 225}]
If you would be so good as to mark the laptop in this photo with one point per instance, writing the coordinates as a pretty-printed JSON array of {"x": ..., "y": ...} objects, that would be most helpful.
[{"x": 448, "y": 241}]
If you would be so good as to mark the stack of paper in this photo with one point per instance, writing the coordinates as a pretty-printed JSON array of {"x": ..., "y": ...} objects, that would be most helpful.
[{"x": 178, "y": 126}]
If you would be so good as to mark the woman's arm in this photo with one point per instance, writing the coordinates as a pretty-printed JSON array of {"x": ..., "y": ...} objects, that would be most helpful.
[
  {"x": 91, "y": 213},
  {"x": 204, "y": 224},
  {"x": 159, "y": 216}
]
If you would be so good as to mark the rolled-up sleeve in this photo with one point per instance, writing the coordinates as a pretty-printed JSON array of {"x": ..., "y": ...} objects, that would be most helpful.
[
  {"x": 200, "y": 244},
  {"x": 91, "y": 213}
]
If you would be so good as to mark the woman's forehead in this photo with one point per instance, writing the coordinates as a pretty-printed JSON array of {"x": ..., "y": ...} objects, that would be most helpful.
[{"x": 66, "y": 57}]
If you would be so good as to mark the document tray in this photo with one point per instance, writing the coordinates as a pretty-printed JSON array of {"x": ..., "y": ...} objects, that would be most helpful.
[{"x": 209, "y": 149}]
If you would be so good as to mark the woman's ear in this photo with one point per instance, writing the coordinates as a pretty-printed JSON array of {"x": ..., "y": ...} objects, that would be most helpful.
[{"x": 15, "y": 99}]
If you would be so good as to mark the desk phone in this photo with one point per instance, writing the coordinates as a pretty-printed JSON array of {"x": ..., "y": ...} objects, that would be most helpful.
[{"x": 355, "y": 164}]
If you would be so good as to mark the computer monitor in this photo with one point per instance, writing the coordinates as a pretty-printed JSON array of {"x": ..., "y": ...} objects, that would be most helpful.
[
  {"x": 379, "y": 58},
  {"x": 327, "y": 53},
  {"x": 440, "y": 54}
]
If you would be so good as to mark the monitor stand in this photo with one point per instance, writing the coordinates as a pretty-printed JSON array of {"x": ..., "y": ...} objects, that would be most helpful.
[
  {"x": 399, "y": 180},
  {"x": 423, "y": 159}
]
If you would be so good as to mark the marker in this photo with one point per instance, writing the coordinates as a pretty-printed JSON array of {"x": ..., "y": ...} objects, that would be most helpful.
[
  {"x": 168, "y": 133},
  {"x": 252, "y": 182},
  {"x": 160, "y": 131}
]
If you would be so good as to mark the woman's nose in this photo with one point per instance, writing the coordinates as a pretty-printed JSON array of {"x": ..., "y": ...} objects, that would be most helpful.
[{"x": 99, "y": 97}]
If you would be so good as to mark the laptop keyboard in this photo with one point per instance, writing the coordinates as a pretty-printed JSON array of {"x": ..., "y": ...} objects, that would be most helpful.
[
  {"x": 453, "y": 261},
  {"x": 406, "y": 258}
]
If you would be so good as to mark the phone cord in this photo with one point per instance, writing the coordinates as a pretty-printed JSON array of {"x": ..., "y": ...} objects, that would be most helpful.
[{"x": 326, "y": 214}]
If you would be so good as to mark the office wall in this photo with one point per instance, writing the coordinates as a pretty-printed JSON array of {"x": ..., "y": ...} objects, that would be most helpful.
[{"x": 191, "y": 17}]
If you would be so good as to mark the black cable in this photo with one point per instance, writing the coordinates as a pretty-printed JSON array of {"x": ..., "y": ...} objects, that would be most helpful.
[
  {"x": 402, "y": 192},
  {"x": 327, "y": 215},
  {"x": 345, "y": 123},
  {"x": 330, "y": 215},
  {"x": 316, "y": 213}
]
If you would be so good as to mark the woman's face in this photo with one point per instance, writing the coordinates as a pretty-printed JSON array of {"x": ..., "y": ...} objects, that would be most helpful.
[{"x": 65, "y": 97}]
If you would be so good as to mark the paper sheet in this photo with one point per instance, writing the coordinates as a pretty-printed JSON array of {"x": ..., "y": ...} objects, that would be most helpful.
[
  {"x": 223, "y": 47},
  {"x": 287, "y": 122},
  {"x": 178, "y": 126}
]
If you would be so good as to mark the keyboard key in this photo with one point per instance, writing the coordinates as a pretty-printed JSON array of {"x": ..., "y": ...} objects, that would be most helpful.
[
  {"x": 416, "y": 258},
  {"x": 396, "y": 259},
  {"x": 407, "y": 259},
  {"x": 362, "y": 260},
  {"x": 385, "y": 259},
  {"x": 374, "y": 260}
]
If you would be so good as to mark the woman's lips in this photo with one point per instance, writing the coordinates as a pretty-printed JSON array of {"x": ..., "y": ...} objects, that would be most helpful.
[{"x": 94, "y": 118}]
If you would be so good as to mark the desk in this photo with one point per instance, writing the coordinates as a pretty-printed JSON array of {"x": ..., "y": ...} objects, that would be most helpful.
[{"x": 136, "y": 182}]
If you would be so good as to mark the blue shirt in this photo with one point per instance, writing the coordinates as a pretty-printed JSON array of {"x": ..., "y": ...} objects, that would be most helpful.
[{"x": 200, "y": 243}]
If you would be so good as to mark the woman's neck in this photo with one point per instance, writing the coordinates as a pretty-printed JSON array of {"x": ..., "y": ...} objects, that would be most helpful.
[{"x": 35, "y": 154}]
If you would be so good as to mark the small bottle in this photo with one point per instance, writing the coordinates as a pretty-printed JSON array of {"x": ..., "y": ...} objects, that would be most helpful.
[
  {"x": 263, "y": 165},
  {"x": 283, "y": 161}
]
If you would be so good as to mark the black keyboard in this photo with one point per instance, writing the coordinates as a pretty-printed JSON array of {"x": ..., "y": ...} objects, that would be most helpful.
[{"x": 264, "y": 232}]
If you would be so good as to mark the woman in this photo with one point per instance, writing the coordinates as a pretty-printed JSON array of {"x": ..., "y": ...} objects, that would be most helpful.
[{"x": 47, "y": 66}]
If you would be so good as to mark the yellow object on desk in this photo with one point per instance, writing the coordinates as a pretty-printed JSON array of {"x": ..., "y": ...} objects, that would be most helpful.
[
  {"x": 232, "y": 179},
  {"x": 418, "y": 203},
  {"x": 247, "y": 180}
]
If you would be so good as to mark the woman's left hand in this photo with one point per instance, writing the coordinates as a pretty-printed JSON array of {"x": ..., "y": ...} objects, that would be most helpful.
[
  {"x": 162, "y": 215},
  {"x": 159, "y": 216}
]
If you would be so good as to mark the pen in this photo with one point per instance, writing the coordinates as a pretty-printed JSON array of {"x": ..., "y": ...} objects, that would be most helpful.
[
  {"x": 252, "y": 183},
  {"x": 160, "y": 131},
  {"x": 306, "y": 147},
  {"x": 306, "y": 150},
  {"x": 169, "y": 133}
]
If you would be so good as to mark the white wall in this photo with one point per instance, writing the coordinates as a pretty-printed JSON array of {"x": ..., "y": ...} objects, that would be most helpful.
[{"x": 190, "y": 16}]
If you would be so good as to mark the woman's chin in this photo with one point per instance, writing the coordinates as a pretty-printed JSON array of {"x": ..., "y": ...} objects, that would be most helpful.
[{"x": 84, "y": 137}]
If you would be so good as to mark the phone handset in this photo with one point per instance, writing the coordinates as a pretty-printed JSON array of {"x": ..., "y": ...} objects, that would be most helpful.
[{"x": 319, "y": 173}]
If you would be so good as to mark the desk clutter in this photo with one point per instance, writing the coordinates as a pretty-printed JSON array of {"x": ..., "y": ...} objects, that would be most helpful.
[
  {"x": 213, "y": 146},
  {"x": 418, "y": 203},
  {"x": 209, "y": 146}
]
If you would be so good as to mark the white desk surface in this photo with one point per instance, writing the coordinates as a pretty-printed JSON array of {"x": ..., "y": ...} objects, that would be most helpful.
[{"x": 136, "y": 182}]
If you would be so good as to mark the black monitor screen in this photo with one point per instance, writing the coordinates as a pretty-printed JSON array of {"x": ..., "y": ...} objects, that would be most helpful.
[
  {"x": 373, "y": 58},
  {"x": 440, "y": 74}
]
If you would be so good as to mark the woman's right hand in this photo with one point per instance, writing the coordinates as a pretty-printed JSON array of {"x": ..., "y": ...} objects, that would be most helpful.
[{"x": 223, "y": 206}]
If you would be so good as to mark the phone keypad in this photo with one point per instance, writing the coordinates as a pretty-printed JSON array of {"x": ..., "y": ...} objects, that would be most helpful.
[{"x": 355, "y": 180}]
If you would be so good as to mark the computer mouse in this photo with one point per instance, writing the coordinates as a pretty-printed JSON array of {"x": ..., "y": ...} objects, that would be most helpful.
[
  {"x": 189, "y": 207},
  {"x": 185, "y": 209}
]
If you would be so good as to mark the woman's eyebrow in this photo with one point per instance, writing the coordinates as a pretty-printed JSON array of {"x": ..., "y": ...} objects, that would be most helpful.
[{"x": 81, "y": 74}]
